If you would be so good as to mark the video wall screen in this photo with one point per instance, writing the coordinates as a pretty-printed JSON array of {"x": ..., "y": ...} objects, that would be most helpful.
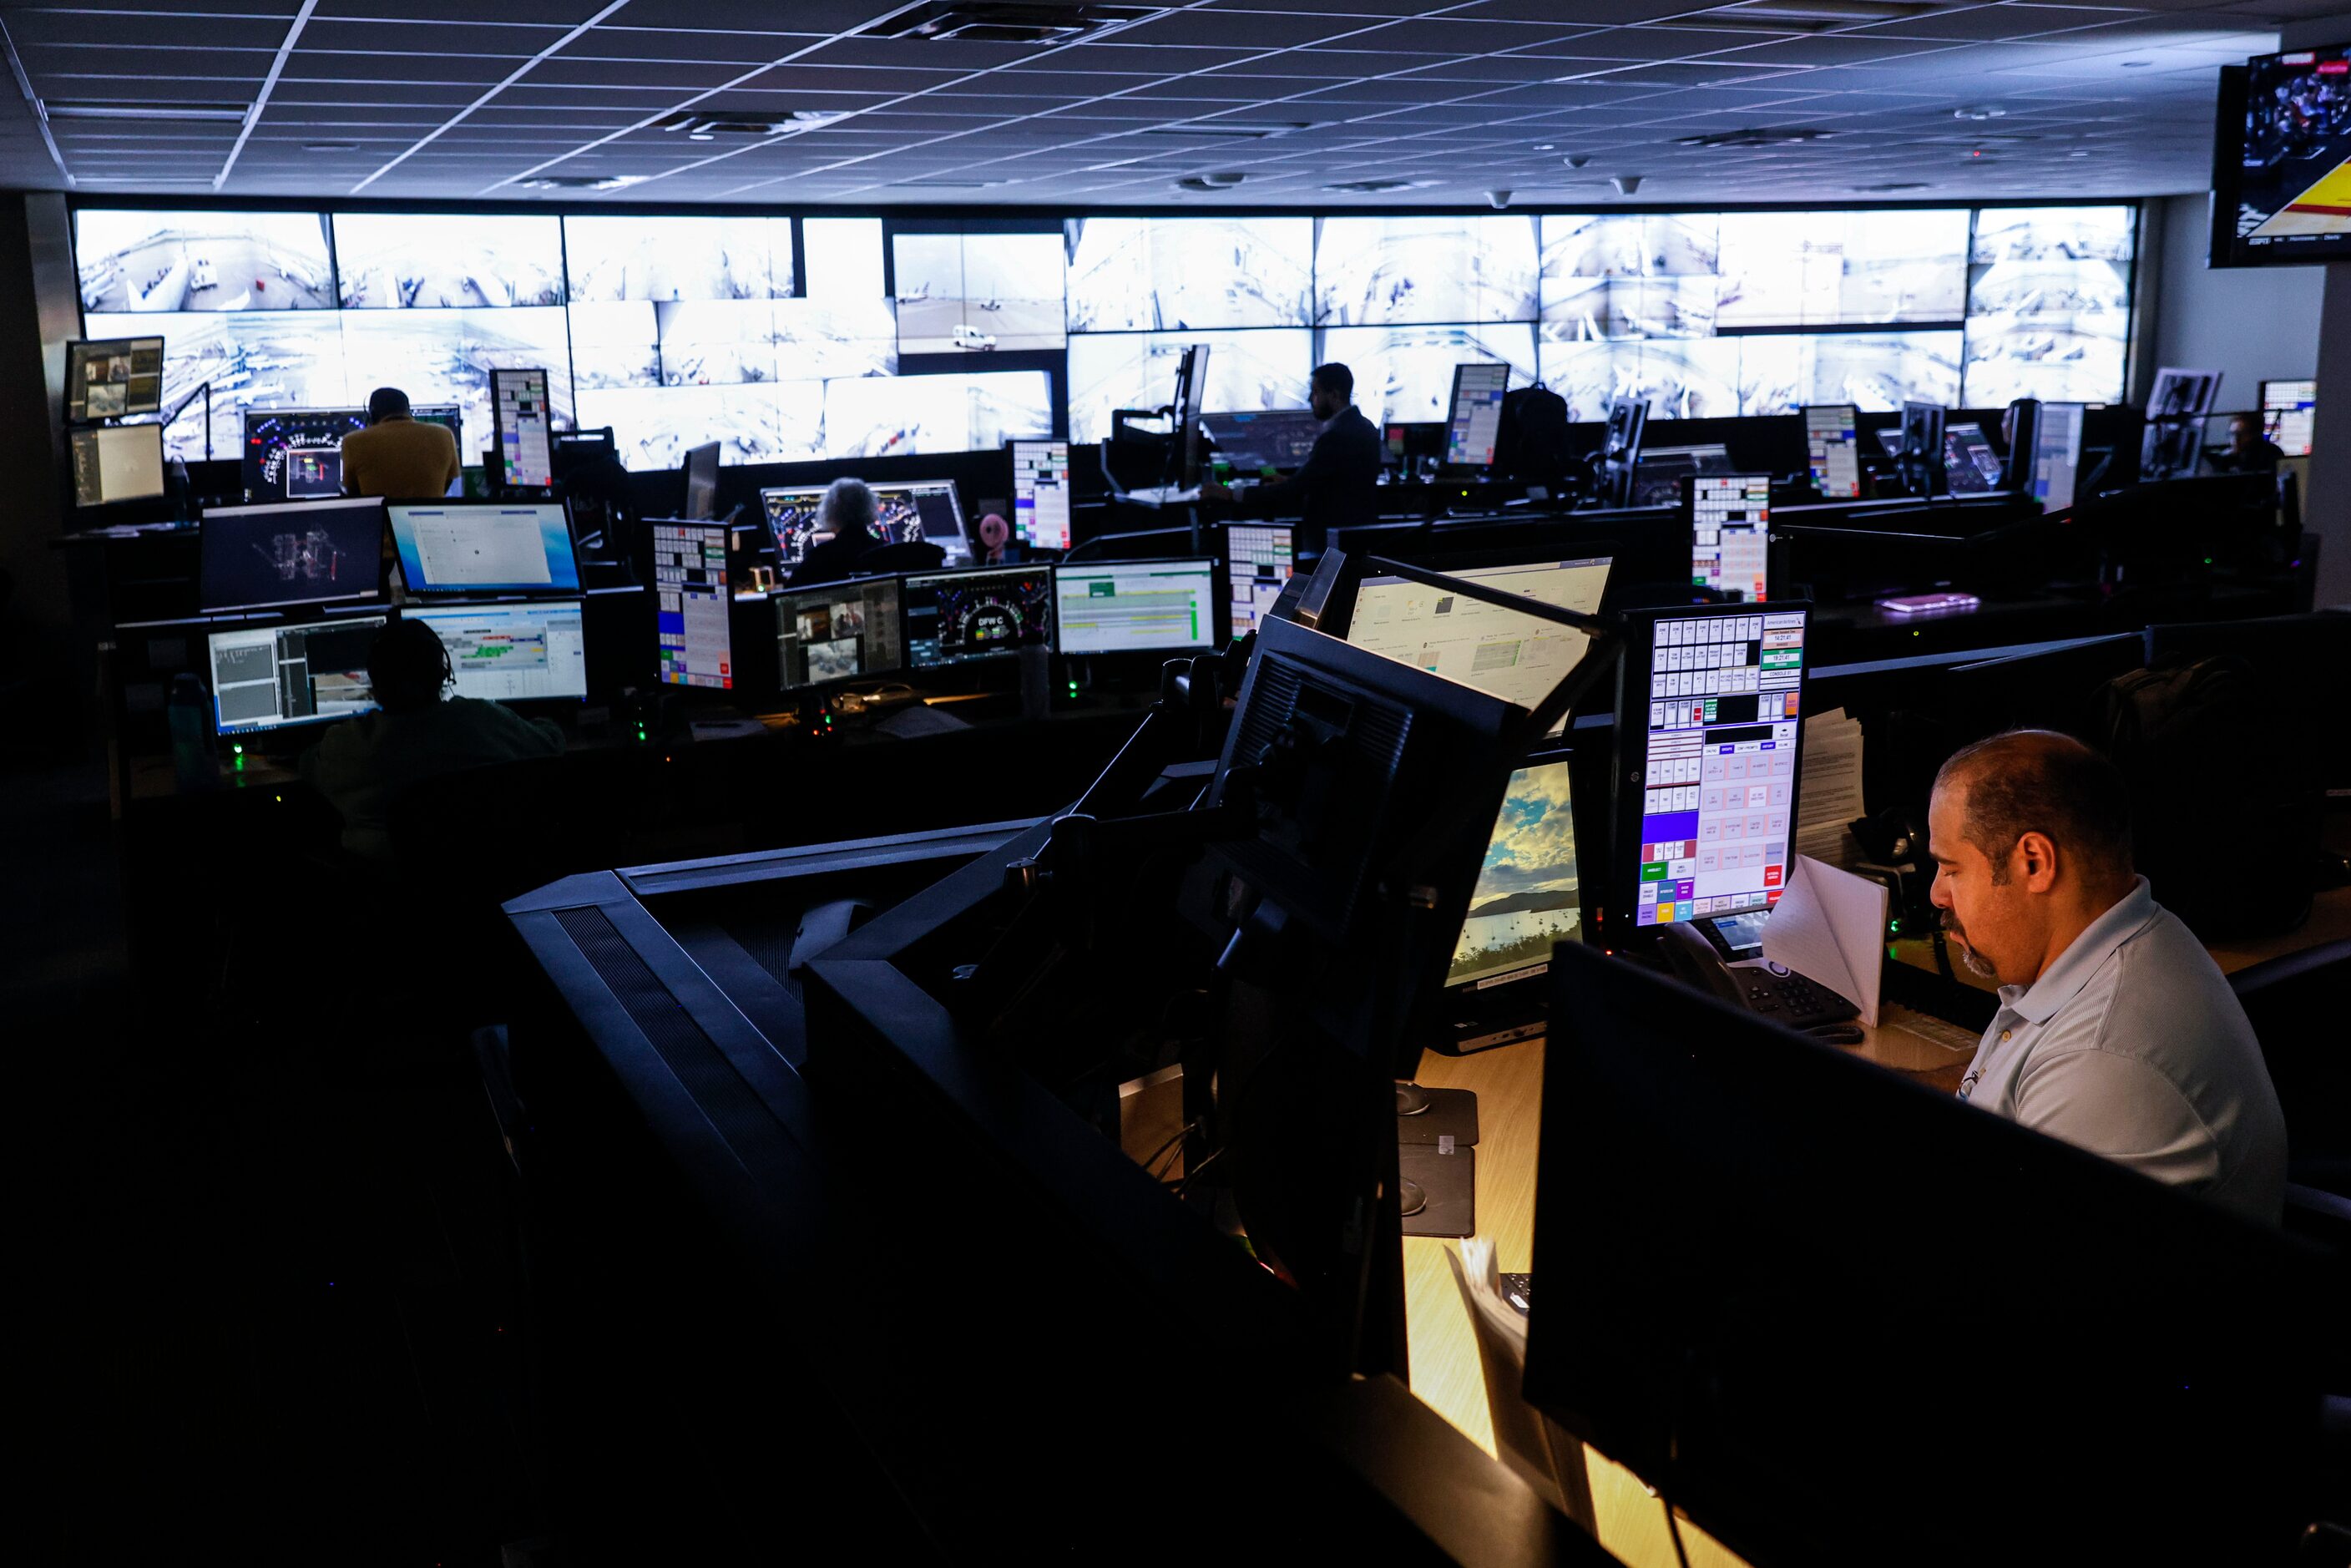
[
  {"x": 171, "y": 261},
  {"x": 789, "y": 338},
  {"x": 655, "y": 258},
  {"x": 1129, "y": 274},
  {"x": 978, "y": 293}
]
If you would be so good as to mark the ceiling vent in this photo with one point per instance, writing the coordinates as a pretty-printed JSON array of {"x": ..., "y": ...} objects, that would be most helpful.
[
  {"x": 1378, "y": 187},
  {"x": 1230, "y": 130},
  {"x": 1222, "y": 181},
  {"x": 227, "y": 113},
  {"x": 947, "y": 185},
  {"x": 1801, "y": 15},
  {"x": 1765, "y": 136},
  {"x": 1008, "y": 21},
  {"x": 578, "y": 182},
  {"x": 1890, "y": 186},
  {"x": 702, "y": 125}
]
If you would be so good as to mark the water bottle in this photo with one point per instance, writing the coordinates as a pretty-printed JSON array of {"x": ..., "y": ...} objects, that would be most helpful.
[
  {"x": 1036, "y": 677},
  {"x": 192, "y": 751}
]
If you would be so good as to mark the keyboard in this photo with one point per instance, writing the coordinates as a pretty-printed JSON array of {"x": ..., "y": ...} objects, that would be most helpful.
[{"x": 1792, "y": 999}]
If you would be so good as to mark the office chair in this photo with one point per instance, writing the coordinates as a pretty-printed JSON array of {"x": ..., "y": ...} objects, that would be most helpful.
[
  {"x": 2296, "y": 1005},
  {"x": 1545, "y": 1454},
  {"x": 915, "y": 555}
]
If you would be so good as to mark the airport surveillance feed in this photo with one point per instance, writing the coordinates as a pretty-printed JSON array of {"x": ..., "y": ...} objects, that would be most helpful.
[
  {"x": 644, "y": 258},
  {"x": 1148, "y": 275},
  {"x": 978, "y": 293},
  {"x": 405, "y": 261},
  {"x": 136, "y": 262},
  {"x": 1376, "y": 271}
]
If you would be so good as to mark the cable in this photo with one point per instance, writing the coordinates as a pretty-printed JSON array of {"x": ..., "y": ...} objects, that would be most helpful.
[{"x": 1674, "y": 1529}]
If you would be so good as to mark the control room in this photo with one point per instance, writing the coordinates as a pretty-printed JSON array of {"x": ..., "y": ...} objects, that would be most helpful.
[{"x": 941, "y": 782}]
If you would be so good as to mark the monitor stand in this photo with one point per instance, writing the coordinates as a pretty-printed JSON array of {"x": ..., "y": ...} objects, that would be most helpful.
[
  {"x": 1432, "y": 1115},
  {"x": 1436, "y": 1186}
]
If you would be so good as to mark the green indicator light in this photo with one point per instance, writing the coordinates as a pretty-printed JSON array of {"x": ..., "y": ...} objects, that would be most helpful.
[{"x": 238, "y": 749}]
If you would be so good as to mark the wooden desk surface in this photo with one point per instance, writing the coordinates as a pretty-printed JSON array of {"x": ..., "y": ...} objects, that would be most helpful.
[{"x": 1507, "y": 1083}]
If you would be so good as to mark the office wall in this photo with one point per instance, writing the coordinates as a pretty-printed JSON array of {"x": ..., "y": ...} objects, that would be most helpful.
[{"x": 2252, "y": 324}]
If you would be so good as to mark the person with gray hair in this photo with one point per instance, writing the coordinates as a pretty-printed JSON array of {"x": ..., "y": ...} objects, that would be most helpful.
[
  {"x": 844, "y": 531},
  {"x": 2116, "y": 1031}
]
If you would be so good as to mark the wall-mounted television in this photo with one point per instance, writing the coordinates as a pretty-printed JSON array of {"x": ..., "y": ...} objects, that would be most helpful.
[{"x": 2282, "y": 160}]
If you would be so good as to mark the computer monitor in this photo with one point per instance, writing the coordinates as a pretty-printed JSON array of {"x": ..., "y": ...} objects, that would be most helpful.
[
  {"x": 2057, "y": 453},
  {"x": 1503, "y": 653},
  {"x": 115, "y": 462},
  {"x": 700, "y": 467},
  {"x": 1780, "y": 1221},
  {"x": 1041, "y": 494},
  {"x": 2289, "y": 413},
  {"x": 1920, "y": 451},
  {"x": 107, "y": 377},
  {"x": 1970, "y": 467},
  {"x": 792, "y": 512},
  {"x": 838, "y": 631},
  {"x": 1620, "y": 451},
  {"x": 921, "y": 511},
  {"x": 1527, "y": 896},
  {"x": 485, "y": 547},
  {"x": 1730, "y": 518},
  {"x": 693, "y": 605},
  {"x": 1258, "y": 559},
  {"x": 1278, "y": 438},
  {"x": 1657, "y": 476},
  {"x": 1709, "y": 723},
  {"x": 271, "y": 677},
  {"x": 1473, "y": 418},
  {"x": 525, "y": 428},
  {"x": 965, "y": 617},
  {"x": 512, "y": 652},
  {"x": 2172, "y": 444},
  {"x": 1831, "y": 431},
  {"x": 291, "y": 552},
  {"x": 297, "y": 454},
  {"x": 1138, "y": 607}
]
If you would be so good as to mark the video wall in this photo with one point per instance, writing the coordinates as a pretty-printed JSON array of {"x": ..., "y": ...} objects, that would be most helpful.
[{"x": 795, "y": 338}]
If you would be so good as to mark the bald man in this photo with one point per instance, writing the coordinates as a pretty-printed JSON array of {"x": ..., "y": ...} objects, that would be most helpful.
[{"x": 2116, "y": 1031}]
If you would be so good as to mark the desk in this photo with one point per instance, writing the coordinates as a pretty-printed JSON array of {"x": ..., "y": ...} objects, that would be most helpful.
[{"x": 1507, "y": 1083}]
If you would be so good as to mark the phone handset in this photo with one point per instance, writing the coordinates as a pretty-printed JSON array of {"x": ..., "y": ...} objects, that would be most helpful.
[{"x": 1694, "y": 958}]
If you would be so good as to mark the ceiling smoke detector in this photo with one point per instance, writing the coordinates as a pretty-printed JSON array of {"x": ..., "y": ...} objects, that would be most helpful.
[
  {"x": 1008, "y": 21},
  {"x": 1223, "y": 180},
  {"x": 1760, "y": 136},
  {"x": 1625, "y": 185}
]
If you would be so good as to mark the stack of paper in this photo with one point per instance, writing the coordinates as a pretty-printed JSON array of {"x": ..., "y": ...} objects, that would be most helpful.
[
  {"x": 1830, "y": 927},
  {"x": 1829, "y": 795}
]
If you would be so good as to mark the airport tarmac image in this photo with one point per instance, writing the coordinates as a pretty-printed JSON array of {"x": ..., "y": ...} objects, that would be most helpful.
[{"x": 169, "y": 272}]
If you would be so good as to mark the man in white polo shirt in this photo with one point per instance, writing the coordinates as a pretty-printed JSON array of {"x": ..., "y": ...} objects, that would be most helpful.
[{"x": 2116, "y": 1031}]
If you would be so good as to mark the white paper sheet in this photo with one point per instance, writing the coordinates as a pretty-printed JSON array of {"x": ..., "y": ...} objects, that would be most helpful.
[{"x": 1830, "y": 927}]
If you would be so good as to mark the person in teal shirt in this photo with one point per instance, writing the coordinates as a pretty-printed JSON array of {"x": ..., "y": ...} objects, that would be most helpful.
[{"x": 421, "y": 733}]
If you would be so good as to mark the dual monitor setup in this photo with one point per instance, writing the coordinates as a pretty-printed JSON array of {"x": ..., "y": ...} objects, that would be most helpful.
[
  {"x": 1709, "y": 722},
  {"x": 261, "y": 564}
]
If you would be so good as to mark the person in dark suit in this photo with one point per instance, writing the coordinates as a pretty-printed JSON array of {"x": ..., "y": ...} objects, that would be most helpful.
[
  {"x": 2248, "y": 451},
  {"x": 1335, "y": 487},
  {"x": 844, "y": 533}
]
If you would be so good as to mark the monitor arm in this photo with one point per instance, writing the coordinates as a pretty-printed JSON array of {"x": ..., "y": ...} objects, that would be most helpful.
[{"x": 204, "y": 391}]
